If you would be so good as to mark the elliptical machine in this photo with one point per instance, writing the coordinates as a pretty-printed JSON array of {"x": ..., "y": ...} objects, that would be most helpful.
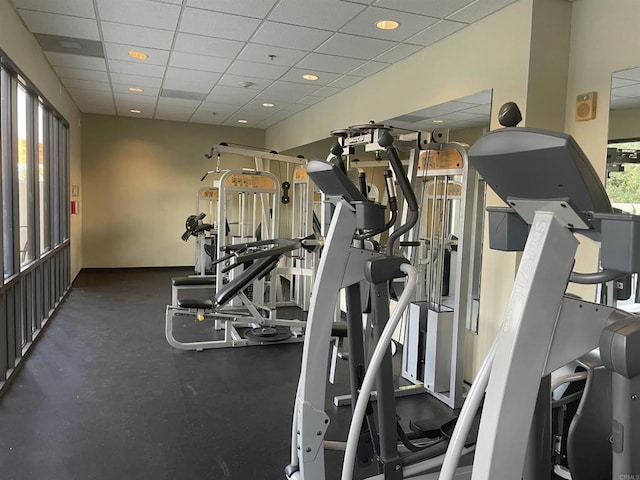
[{"x": 543, "y": 329}]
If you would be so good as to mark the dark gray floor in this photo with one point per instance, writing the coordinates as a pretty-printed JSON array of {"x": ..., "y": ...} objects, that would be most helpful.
[{"x": 103, "y": 396}]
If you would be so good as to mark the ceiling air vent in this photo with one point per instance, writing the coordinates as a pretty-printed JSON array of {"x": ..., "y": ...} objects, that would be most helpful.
[
  {"x": 182, "y": 95},
  {"x": 74, "y": 46}
]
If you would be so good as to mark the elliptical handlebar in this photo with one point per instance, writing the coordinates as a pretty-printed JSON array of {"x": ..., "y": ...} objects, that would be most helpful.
[{"x": 386, "y": 142}]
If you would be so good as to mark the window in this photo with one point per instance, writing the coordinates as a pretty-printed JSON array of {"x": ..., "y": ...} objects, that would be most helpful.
[
  {"x": 34, "y": 188},
  {"x": 623, "y": 175},
  {"x": 24, "y": 177},
  {"x": 43, "y": 193},
  {"x": 7, "y": 184}
]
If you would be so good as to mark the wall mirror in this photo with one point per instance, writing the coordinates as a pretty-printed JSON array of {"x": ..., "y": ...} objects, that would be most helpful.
[{"x": 623, "y": 168}]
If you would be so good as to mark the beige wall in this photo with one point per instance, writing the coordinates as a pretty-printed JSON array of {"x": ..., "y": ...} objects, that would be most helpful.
[
  {"x": 21, "y": 47},
  {"x": 140, "y": 182},
  {"x": 604, "y": 39}
]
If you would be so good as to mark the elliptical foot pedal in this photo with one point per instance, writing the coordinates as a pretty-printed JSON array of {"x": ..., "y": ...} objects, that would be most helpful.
[
  {"x": 268, "y": 334},
  {"x": 429, "y": 427}
]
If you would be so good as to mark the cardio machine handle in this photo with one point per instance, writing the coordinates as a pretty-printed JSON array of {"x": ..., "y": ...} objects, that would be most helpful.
[{"x": 386, "y": 142}]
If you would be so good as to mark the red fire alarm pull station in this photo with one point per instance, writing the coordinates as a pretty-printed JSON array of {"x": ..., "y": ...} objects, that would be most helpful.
[{"x": 75, "y": 207}]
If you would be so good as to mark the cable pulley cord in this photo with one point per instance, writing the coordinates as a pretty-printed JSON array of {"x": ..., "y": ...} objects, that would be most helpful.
[
  {"x": 467, "y": 415},
  {"x": 374, "y": 365}
]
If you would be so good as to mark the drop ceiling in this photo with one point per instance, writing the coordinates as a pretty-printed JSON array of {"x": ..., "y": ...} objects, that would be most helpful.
[
  {"x": 625, "y": 89},
  {"x": 219, "y": 61}
]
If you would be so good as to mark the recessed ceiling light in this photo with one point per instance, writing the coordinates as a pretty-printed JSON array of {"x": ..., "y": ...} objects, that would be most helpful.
[
  {"x": 138, "y": 55},
  {"x": 135, "y": 111},
  {"x": 136, "y": 89},
  {"x": 269, "y": 105},
  {"x": 387, "y": 24},
  {"x": 243, "y": 121},
  {"x": 438, "y": 121},
  {"x": 310, "y": 77}
]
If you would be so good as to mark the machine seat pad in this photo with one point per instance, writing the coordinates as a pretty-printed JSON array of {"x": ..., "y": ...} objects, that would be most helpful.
[
  {"x": 199, "y": 304},
  {"x": 193, "y": 281},
  {"x": 258, "y": 270}
]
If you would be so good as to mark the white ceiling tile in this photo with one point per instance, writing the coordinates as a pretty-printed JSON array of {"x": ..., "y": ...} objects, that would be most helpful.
[
  {"x": 365, "y": 24},
  {"x": 285, "y": 113},
  {"x": 76, "y": 61},
  {"x": 295, "y": 75},
  {"x": 397, "y": 53},
  {"x": 327, "y": 14},
  {"x": 235, "y": 80},
  {"x": 441, "y": 109},
  {"x": 436, "y": 32},
  {"x": 461, "y": 116},
  {"x": 199, "y": 62},
  {"x": 479, "y": 110},
  {"x": 117, "y": 51},
  {"x": 136, "y": 68},
  {"x": 77, "y": 8},
  {"x": 172, "y": 115},
  {"x": 87, "y": 107},
  {"x": 621, "y": 82},
  {"x": 134, "y": 35},
  {"x": 201, "y": 116},
  {"x": 480, "y": 98},
  {"x": 87, "y": 85},
  {"x": 345, "y": 81},
  {"x": 621, "y": 103},
  {"x": 329, "y": 63},
  {"x": 147, "y": 91},
  {"x": 326, "y": 91},
  {"x": 248, "y": 8},
  {"x": 67, "y": 26},
  {"x": 135, "y": 80},
  {"x": 201, "y": 45},
  {"x": 91, "y": 95},
  {"x": 171, "y": 108},
  {"x": 258, "y": 70},
  {"x": 368, "y": 69},
  {"x": 354, "y": 46},
  {"x": 139, "y": 12},
  {"x": 123, "y": 111},
  {"x": 175, "y": 2},
  {"x": 287, "y": 57},
  {"x": 253, "y": 116},
  {"x": 432, "y": 8},
  {"x": 81, "y": 74},
  {"x": 133, "y": 99},
  {"x": 256, "y": 105},
  {"x": 215, "y": 24},
  {"x": 230, "y": 95},
  {"x": 310, "y": 100},
  {"x": 628, "y": 91},
  {"x": 630, "y": 74},
  {"x": 211, "y": 108},
  {"x": 190, "y": 80},
  {"x": 283, "y": 35},
  {"x": 287, "y": 92},
  {"x": 479, "y": 9}
]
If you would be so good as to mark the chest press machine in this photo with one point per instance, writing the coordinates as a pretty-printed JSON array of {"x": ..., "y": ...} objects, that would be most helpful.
[{"x": 543, "y": 328}]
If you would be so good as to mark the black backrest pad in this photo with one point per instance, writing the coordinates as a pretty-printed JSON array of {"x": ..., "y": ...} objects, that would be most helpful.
[
  {"x": 536, "y": 164},
  {"x": 333, "y": 181},
  {"x": 255, "y": 271}
]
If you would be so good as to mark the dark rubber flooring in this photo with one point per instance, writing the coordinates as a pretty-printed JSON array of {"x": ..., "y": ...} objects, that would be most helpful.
[{"x": 103, "y": 396}]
